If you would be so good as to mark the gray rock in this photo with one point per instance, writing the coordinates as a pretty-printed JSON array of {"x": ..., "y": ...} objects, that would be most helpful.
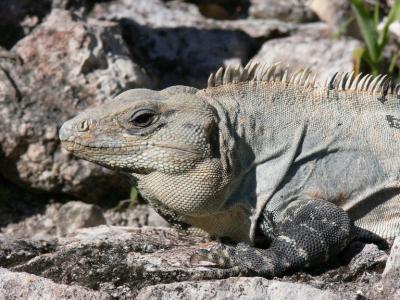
[
  {"x": 291, "y": 10},
  {"x": 65, "y": 65},
  {"x": 121, "y": 261},
  {"x": 75, "y": 215},
  {"x": 312, "y": 48},
  {"x": 370, "y": 257},
  {"x": 179, "y": 45},
  {"x": 389, "y": 288},
  {"x": 16, "y": 251},
  {"x": 118, "y": 260},
  {"x": 39, "y": 225},
  {"x": 154, "y": 219},
  {"x": 235, "y": 288},
  {"x": 337, "y": 14},
  {"x": 15, "y": 285}
]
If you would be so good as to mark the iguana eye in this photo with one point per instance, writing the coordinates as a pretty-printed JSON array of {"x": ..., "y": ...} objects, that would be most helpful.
[{"x": 143, "y": 118}]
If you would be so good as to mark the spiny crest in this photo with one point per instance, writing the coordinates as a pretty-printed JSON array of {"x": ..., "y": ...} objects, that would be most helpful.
[
  {"x": 381, "y": 84},
  {"x": 254, "y": 71}
]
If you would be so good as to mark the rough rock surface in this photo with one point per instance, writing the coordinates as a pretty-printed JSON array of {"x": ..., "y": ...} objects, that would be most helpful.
[
  {"x": 122, "y": 261},
  {"x": 235, "y": 288},
  {"x": 291, "y": 10},
  {"x": 311, "y": 47},
  {"x": 59, "y": 69},
  {"x": 186, "y": 45},
  {"x": 390, "y": 286},
  {"x": 15, "y": 285}
]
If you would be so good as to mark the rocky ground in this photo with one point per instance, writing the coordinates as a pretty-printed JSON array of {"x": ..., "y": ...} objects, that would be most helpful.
[{"x": 58, "y": 57}]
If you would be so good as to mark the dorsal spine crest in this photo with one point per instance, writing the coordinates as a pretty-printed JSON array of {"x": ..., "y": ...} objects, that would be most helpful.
[{"x": 255, "y": 71}]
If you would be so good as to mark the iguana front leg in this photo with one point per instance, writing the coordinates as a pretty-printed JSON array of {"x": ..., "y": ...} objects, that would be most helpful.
[{"x": 308, "y": 233}]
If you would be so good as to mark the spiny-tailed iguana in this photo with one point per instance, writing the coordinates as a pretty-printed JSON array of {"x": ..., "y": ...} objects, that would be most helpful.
[{"x": 291, "y": 170}]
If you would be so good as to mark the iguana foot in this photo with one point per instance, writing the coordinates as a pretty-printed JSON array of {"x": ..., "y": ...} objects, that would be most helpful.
[
  {"x": 308, "y": 233},
  {"x": 242, "y": 259}
]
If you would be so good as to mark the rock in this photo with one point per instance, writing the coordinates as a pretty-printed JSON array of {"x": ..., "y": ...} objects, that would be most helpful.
[
  {"x": 311, "y": 48},
  {"x": 154, "y": 219},
  {"x": 235, "y": 288},
  {"x": 75, "y": 215},
  {"x": 18, "y": 18},
  {"x": 180, "y": 46},
  {"x": 121, "y": 261},
  {"x": 337, "y": 14},
  {"x": 389, "y": 288},
  {"x": 39, "y": 225},
  {"x": 118, "y": 260},
  {"x": 394, "y": 29},
  {"x": 65, "y": 65},
  {"x": 291, "y": 11},
  {"x": 138, "y": 216},
  {"x": 45, "y": 225},
  {"x": 15, "y": 285},
  {"x": 370, "y": 257},
  {"x": 16, "y": 251}
]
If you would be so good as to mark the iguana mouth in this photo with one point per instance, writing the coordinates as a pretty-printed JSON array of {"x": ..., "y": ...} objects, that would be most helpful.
[{"x": 74, "y": 146}]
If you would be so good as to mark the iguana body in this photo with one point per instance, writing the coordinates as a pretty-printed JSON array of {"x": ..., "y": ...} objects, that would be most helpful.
[{"x": 260, "y": 159}]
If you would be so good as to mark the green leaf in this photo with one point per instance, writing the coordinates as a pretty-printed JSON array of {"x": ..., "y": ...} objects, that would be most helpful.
[{"x": 365, "y": 20}]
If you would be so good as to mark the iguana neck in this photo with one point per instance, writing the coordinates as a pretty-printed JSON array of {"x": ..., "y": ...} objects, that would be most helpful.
[{"x": 254, "y": 124}]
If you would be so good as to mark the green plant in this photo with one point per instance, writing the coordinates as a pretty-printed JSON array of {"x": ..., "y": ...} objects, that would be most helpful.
[
  {"x": 375, "y": 36},
  {"x": 128, "y": 203}
]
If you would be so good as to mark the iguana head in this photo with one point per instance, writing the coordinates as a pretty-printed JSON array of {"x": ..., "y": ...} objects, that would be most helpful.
[{"x": 167, "y": 140}]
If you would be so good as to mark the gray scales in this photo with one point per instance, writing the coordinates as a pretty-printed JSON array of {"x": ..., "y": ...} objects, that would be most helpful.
[{"x": 289, "y": 170}]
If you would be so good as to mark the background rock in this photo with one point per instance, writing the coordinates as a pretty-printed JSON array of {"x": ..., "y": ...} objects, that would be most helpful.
[
  {"x": 311, "y": 47},
  {"x": 18, "y": 18},
  {"x": 75, "y": 215},
  {"x": 337, "y": 14},
  {"x": 291, "y": 10}
]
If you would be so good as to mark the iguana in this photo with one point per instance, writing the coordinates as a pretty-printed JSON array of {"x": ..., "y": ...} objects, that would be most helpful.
[{"x": 290, "y": 170}]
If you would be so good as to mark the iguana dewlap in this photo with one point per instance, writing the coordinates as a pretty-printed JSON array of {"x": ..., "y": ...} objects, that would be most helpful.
[{"x": 260, "y": 157}]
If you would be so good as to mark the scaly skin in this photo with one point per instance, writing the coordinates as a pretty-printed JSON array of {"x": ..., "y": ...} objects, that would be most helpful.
[{"x": 281, "y": 166}]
